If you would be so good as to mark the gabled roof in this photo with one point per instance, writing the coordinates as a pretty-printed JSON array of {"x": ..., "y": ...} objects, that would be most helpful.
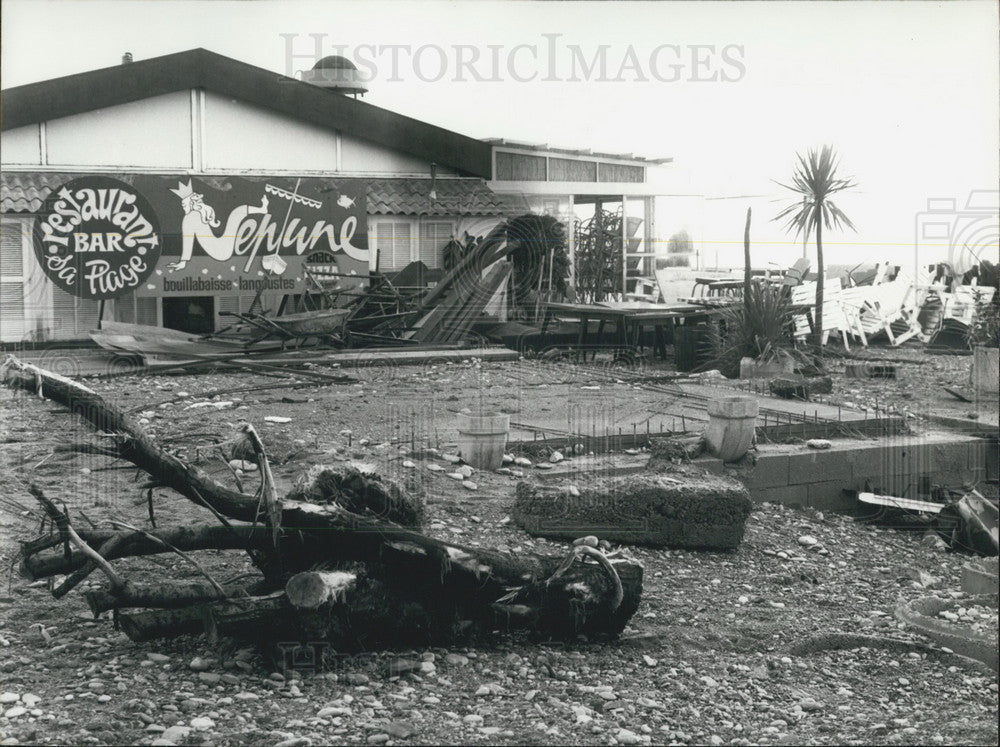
[
  {"x": 26, "y": 192},
  {"x": 199, "y": 68}
]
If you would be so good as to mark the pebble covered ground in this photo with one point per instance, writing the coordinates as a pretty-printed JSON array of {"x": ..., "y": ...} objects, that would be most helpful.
[{"x": 791, "y": 639}]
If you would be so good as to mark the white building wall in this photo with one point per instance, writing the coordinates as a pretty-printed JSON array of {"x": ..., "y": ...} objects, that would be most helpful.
[
  {"x": 21, "y": 146},
  {"x": 239, "y": 136},
  {"x": 152, "y": 133},
  {"x": 365, "y": 157}
]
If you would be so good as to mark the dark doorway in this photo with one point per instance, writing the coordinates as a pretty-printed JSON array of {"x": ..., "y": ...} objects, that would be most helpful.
[{"x": 190, "y": 314}]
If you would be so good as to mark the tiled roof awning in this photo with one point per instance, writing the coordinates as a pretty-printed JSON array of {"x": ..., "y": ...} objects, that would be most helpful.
[
  {"x": 401, "y": 196},
  {"x": 25, "y": 192}
]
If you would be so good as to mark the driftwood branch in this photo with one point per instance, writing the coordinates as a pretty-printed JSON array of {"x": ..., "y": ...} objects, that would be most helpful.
[{"x": 341, "y": 557}]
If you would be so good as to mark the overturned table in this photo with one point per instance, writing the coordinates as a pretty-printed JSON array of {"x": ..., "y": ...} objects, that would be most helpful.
[{"x": 629, "y": 319}]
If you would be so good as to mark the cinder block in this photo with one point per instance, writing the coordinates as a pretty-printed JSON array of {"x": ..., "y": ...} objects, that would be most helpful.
[
  {"x": 829, "y": 496},
  {"x": 771, "y": 471},
  {"x": 819, "y": 466},
  {"x": 712, "y": 465}
]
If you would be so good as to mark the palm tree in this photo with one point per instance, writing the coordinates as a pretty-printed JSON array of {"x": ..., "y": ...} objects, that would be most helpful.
[{"x": 815, "y": 180}]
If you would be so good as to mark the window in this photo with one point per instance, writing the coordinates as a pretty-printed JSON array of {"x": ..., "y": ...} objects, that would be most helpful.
[
  {"x": 72, "y": 317},
  {"x": 134, "y": 310},
  {"x": 616, "y": 172},
  {"x": 13, "y": 324},
  {"x": 12, "y": 252},
  {"x": 433, "y": 239},
  {"x": 519, "y": 167},
  {"x": 566, "y": 170},
  {"x": 392, "y": 240}
]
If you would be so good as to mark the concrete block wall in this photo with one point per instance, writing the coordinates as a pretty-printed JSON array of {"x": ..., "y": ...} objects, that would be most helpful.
[{"x": 900, "y": 466}]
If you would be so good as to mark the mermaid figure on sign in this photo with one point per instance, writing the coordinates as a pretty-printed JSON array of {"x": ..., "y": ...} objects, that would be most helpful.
[{"x": 200, "y": 223}]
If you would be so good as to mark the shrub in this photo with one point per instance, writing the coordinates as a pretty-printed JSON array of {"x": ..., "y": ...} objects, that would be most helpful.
[
  {"x": 759, "y": 327},
  {"x": 693, "y": 512}
]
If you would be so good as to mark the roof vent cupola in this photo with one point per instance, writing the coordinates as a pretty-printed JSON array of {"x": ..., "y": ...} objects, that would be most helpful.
[{"x": 338, "y": 74}]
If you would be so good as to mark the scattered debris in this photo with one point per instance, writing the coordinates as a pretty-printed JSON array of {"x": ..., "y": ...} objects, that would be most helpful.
[{"x": 333, "y": 516}]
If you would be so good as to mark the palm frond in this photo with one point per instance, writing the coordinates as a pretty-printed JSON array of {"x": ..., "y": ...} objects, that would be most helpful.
[{"x": 815, "y": 180}]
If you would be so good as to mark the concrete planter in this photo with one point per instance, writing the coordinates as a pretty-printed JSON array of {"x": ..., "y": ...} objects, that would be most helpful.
[
  {"x": 731, "y": 425},
  {"x": 482, "y": 438},
  {"x": 980, "y": 576},
  {"x": 922, "y": 615},
  {"x": 985, "y": 374},
  {"x": 751, "y": 368}
]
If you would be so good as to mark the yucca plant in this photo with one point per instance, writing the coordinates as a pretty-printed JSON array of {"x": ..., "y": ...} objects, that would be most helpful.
[
  {"x": 759, "y": 328},
  {"x": 815, "y": 180}
]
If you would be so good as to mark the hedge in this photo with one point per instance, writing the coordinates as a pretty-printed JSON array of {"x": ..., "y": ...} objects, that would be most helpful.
[{"x": 683, "y": 511}]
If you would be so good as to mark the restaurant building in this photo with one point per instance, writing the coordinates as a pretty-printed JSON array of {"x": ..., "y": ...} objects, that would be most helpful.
[{"x": 169, "y": 191}]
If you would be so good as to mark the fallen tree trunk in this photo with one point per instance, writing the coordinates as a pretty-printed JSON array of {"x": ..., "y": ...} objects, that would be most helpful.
[
  {"x": 341, "y": 553},
  {"x": 160, "y": 594}
]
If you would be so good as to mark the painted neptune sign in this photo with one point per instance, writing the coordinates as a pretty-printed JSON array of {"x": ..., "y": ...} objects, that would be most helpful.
[{"x": 217, "y": 235}]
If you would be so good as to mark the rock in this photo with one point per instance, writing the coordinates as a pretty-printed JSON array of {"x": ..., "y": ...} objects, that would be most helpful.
[
  {"x": 522, "y": 462},
  {"x": 357, "y": 678},
  {"x": 209, "y": 678},
  {"x": 709, "y": 681},
  {"x": 624, "y": 736},
  {"x": 6, "y": 698},
  {"x": 466, "y": 470},
  {"x": 556, "y": 457},
  {"x": 400, "y": 729},
  {"x": 807, "y": 540},
  {"x": 649, "y": 660},
  {"x": 230, "y": 679},
  {"x": 202, "y": 723},
  {"x": 508, "y": 459},
  {"x": 544, "y": 465},
  {"x": 380, "y": 738},
  {"x": 175, "y": 734},
  {"x": 408, "y": 464},
  {"x": 473, "y": 718},
  {"x": 588, "y": 541},
  {"x": 483, "y": 691},
  {"x": 810, "y": 704},
  {"x": 923, "y": 578},
  {"x": 819, "y": 443},
  {"x": 30, "y": 700},
  {"x": 399, "y": 667},
  {"x": 242, "y": 465},
  {"x": 435, "y": 467},
  {"x": 800, "y": 387},
  {"x": 295, "y": 742},
  {"x": 455, "y": 476},
  {"x": 469, "y": 485},
  {"x": 160, "y": 658},
  {"x": 333, "y": 712},
  {"x": 15, "y": 712},
  {"x": 276, "y": 419},
  {"x": 456, "y": 660},
  {"x": 453, "y": 458},
  {"x": 198, "y": 664}
]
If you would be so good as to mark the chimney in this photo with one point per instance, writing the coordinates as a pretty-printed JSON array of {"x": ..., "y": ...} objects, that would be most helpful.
[{"x": 126, "y": 58}]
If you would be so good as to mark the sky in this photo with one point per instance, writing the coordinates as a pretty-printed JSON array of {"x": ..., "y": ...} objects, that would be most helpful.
[{"x": 907, "y": 92}]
